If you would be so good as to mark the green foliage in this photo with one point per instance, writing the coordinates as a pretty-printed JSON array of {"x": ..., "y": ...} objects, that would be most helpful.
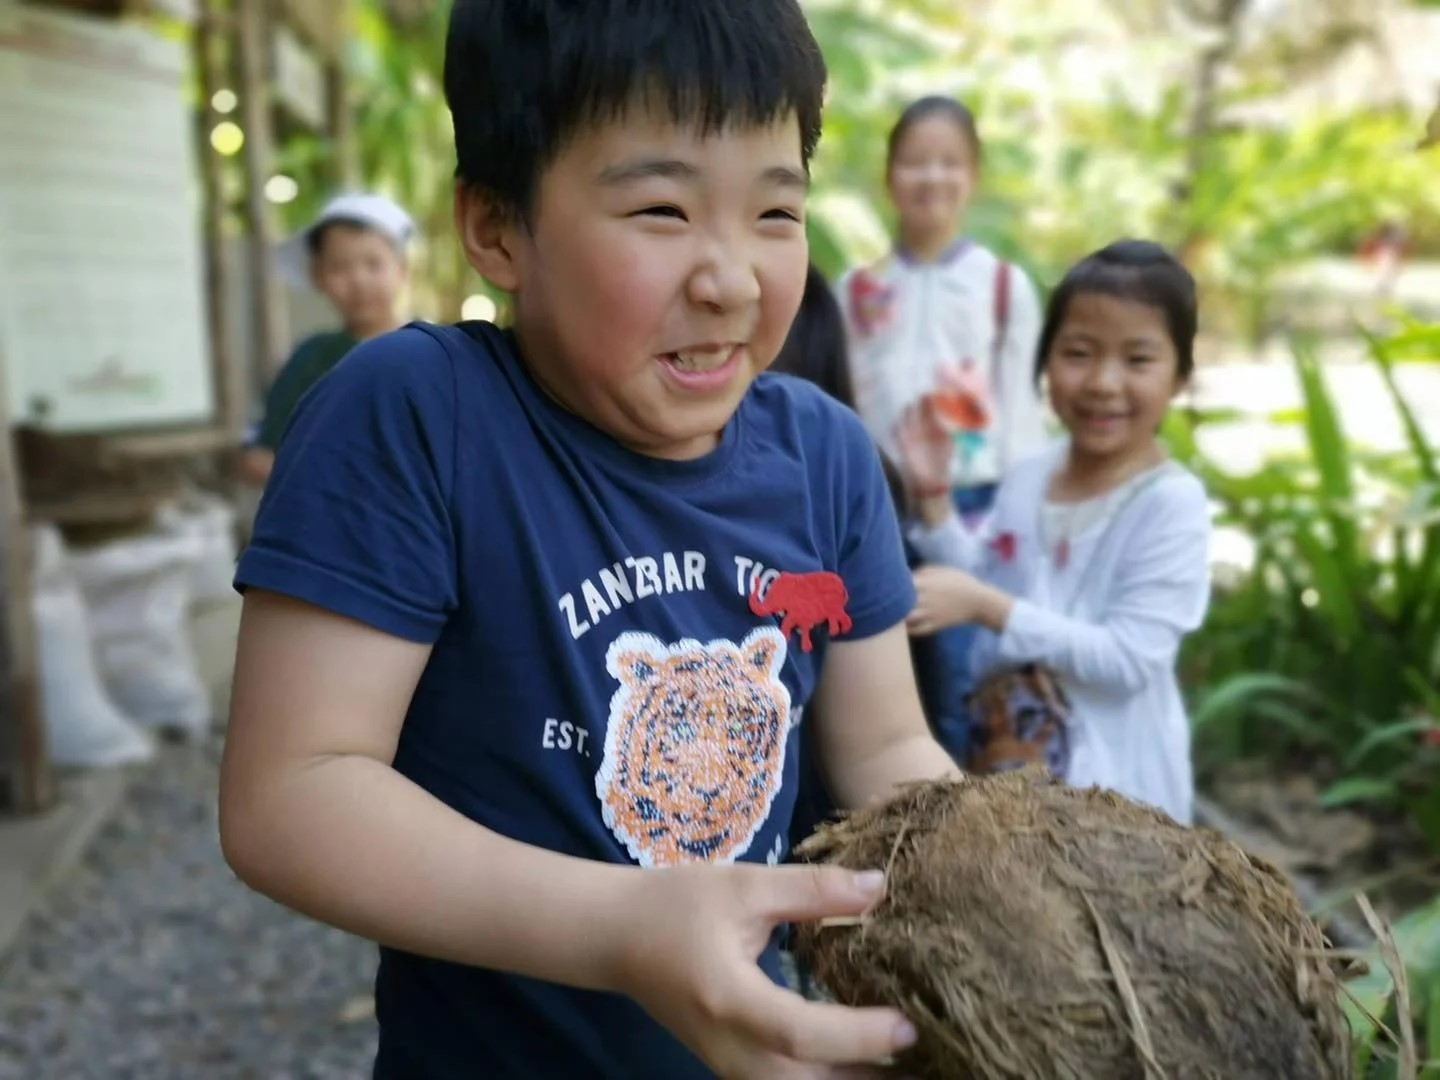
[
  {"x": 1371, "y": 1005},
  {"x": 1061, "y": 176},
  {"x": 1330, "y": 643},
  {"x": 1246, "y": 200},
  {"x": 404, "y": 143}
]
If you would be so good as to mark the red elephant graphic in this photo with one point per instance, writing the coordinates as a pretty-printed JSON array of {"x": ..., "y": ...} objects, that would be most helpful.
[{"x": 807, "y": 602}]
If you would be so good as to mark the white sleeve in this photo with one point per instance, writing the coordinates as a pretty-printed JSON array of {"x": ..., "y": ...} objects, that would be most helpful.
[
  {"x": 950, "y": 544},
  {"x": 1160, "y": 594},
  {"x": 1022, "y": 413}
]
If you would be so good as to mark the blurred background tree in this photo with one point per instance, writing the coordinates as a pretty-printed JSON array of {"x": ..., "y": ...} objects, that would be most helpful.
[{"x": 1204, "y": 123}]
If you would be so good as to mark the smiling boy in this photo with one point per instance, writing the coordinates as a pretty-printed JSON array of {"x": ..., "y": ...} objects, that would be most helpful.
[{"x": 534, "y": 619}]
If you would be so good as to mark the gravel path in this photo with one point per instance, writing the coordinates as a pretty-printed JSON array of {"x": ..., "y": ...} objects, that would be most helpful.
[{"x": 153, "y": 962}]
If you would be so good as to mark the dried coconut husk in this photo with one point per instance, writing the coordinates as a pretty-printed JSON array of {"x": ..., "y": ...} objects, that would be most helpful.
[{"x": 1032, "y": 930}]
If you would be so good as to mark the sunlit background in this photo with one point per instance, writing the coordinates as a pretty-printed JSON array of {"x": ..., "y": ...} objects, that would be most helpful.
[{"x": 152, "y": 155}]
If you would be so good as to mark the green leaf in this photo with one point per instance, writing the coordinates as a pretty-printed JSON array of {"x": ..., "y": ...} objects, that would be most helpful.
[
  {"x": 1417, "y": 939},
  {"x": 1386, "y": 735},
  {"x": 1424, "y": 808},
  {"x": 1325, "y": 564},
  {"x": 1239, "y": 691},
  {"x": 1328, "y": 446},
  {"x": 1432, "y": 1029},
  {"x": 1357, "y": 789},
  {"x": 1381, "y": 352}
]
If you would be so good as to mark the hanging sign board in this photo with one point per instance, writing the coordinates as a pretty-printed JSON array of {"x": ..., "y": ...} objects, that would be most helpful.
[
  {"x": 102, "y": 320},
  {"x": 317, "y": 20},
  {"x": 299, "y": 79}
]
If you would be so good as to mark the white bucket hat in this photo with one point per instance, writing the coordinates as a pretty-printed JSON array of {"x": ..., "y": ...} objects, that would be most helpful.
[{"x": 375, "y": 211}]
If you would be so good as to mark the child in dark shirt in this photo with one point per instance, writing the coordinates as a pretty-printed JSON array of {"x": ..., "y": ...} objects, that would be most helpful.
[{"x": 533, "y": 619}]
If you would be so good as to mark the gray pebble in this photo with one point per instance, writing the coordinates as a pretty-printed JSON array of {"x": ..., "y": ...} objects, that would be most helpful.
[{"x": 153, "y": 962}]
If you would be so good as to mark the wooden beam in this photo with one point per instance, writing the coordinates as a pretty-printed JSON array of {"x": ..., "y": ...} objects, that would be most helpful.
[
  {"x": 26, "y": 785},
  {"x": 190, "y": 442},
  {"x": 340, "y": 108},
  {"x": 267, "y": 298},
  {"x": 229, "y": 375}
]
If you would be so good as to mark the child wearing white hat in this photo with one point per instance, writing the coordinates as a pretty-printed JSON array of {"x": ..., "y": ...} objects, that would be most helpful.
[{"x": 354, "y": 253}]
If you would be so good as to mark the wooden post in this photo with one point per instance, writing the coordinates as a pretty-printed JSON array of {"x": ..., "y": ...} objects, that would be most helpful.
[
  {"x": 340, "y": 113},
  {"x": 268, "y": 311},
  {"x": 25, "y": 782},
  {"x": 232, "y": 386}
]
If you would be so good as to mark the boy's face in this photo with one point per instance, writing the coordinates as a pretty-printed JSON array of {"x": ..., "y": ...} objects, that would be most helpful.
[
  {"x": 659, "y": 276},
  {"x": 362, "y": 274}
]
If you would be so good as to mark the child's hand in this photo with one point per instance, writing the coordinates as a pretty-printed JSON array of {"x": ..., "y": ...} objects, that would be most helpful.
[
  {"x": 947, "y": 597},
  {"x": 926, "y": 449},
  {"x": 690, "y": 961}
]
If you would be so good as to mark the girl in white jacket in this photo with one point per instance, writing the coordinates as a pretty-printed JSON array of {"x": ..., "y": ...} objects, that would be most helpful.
[
  {"x": 1094, "y": 564},
  {"x": 941, "y": 314},
  {"x": 943, "y": 318}
]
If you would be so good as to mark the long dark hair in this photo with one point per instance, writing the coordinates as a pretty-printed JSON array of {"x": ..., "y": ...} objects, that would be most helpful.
[{"x": 816, "y": 351}]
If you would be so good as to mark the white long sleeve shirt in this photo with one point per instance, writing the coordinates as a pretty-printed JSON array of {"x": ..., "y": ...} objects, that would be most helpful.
[
  {"x": 917, "y": 328},
  {"x": 1108, "y": 622}
]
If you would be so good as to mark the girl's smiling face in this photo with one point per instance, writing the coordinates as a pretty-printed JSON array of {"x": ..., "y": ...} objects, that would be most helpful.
[{"x": 1113, "y": 370}]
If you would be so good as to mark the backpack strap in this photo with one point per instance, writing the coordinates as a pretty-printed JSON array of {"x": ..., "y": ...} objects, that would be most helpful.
[{"x": 1002, "y": 321}]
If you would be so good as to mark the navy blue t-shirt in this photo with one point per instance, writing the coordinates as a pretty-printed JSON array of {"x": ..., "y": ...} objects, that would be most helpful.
[{"x": 598, "y": 684}]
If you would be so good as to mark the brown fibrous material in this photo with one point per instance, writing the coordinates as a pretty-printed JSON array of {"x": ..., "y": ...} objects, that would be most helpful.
[{"x": 1032, "y": 930}]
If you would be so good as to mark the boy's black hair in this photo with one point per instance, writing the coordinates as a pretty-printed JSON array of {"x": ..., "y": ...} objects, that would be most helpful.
[
  {"x": 315, "y": 238},
  {"x": 522, "y": 76},
  {"x": 926, "y": 107},
  {"x": 1136, "y": 270},
  {"x": 816, "y": 351}
]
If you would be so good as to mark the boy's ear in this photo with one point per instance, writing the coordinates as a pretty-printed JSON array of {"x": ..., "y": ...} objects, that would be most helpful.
[{"x": 485, "y": 236}]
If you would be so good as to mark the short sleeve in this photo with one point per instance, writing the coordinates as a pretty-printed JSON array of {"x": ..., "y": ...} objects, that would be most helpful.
[
  {"x": 871, "y": 553},
  {"x": 356, "y": 517}
]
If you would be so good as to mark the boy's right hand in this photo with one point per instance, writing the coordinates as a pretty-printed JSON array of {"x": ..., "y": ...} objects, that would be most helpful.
[{"x": 689, "y": 954}]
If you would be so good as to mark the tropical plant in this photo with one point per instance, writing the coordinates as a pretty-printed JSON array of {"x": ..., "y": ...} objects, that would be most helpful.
[
  {"x": 1372, "y": 1002},
  {"x": 1068, "y": 165},
  {"x": 1330, "y": 642}
]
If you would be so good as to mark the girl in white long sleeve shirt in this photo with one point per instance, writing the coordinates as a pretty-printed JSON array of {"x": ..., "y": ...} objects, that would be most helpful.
[
  {"x": 944, "y": 316},
  {"x": 1095, "y": 560}
]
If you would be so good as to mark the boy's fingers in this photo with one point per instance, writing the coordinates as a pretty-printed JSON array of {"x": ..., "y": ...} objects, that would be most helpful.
[
  {"x": 810, "y": 893},
  {"x": 780, "y": 1069},
  {"x": 824, "y": 1034}
]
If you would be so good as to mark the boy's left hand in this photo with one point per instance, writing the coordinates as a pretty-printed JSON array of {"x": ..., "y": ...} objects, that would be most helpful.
[
  {"x": 947, "y": 597},
  {"x": 685, "y": 950}
]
